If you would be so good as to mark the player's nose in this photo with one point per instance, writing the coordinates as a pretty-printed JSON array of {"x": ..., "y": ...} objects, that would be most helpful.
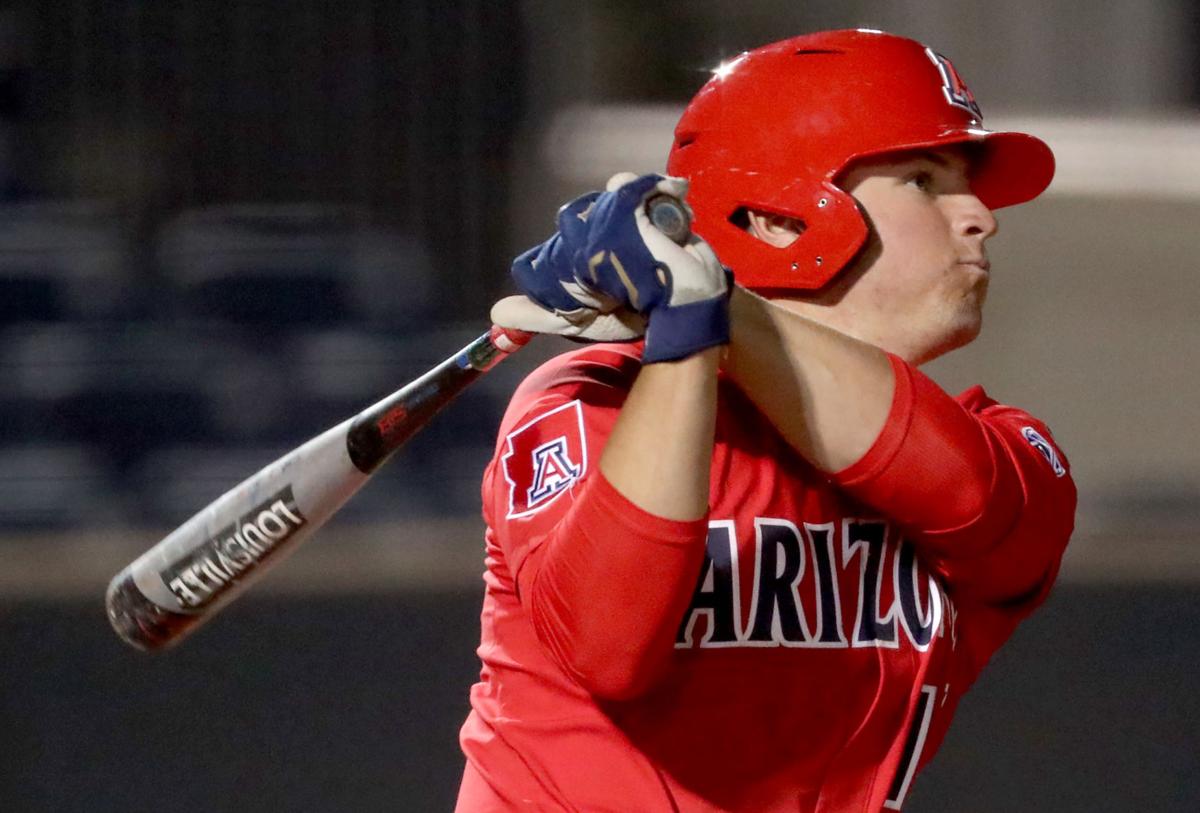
[{"x": 973, "y": 218}]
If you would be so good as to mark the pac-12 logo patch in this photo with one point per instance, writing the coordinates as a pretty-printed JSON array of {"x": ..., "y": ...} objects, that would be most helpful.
[
  {"x": 953, "y": 87},
  {"x": 544, "y": 458},
  {"x": 1048, "y": 451}
]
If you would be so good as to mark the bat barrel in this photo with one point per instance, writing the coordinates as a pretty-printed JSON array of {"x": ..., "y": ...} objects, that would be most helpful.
[
  {"x": 213, "y": 557},
  {"x": 139, "y": 621}
]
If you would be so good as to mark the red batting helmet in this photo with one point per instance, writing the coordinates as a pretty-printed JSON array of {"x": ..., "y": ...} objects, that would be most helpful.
[{"x": 773, "y": 130}]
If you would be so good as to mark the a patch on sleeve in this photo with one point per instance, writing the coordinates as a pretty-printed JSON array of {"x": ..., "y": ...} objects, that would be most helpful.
[
  {"x": 1046, "y": 448},
  {"x": 544, "y": 458}
]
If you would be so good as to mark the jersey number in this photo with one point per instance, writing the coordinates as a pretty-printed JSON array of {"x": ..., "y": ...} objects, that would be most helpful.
[{"x": 912, "y": 748}]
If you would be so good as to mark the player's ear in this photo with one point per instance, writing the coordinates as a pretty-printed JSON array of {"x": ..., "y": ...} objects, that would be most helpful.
[{"x": 778, "y": 230}]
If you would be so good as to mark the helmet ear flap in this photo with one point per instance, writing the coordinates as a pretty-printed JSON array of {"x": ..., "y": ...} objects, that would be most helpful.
[{"x": 834, "y": 231}]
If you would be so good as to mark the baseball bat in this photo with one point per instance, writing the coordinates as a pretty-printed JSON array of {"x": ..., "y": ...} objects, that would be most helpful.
[
  {"x": 185, "y": 579},
  {"x": 212, "y": 558}
]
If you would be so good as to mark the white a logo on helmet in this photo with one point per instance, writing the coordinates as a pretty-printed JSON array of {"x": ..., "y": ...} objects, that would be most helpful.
[{"x": 953, "y": 87}]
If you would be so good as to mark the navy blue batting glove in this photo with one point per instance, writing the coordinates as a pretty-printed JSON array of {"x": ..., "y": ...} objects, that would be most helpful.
[
  {"x": 554, "y": 300},
  {"x": 682, "y": 289},
  {"x": 610, "y": 274},
  {"x": 546, "y": 273}
]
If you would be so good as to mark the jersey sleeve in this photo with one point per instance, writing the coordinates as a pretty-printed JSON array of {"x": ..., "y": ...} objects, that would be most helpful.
[
  {"x": 981, "y": 488},
  {"x": 602, "y": 581}
]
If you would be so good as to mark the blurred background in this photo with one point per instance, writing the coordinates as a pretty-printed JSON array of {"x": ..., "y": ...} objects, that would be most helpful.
[{"x": 225, "y": 226}]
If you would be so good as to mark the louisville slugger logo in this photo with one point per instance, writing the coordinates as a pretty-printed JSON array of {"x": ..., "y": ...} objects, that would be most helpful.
[
  {"x": 199, "y": 578},
  {"x": 544, "y": 458}
]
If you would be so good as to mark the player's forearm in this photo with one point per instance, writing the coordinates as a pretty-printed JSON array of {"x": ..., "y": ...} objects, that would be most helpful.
[
  {"x": 831, "y": 397},
  {"x": 605, "y": 593},
  {"x": 828, "y": 394},
  {"x": 660, "y": 451}
]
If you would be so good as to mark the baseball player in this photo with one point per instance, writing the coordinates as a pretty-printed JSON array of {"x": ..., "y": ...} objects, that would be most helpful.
[{"x": 753, "y": 560}]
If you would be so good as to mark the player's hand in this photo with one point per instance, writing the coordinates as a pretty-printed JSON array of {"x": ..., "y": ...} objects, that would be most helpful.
[
  {"x": 608, "y": 263},
  {"x": 589, "y": 324},
  {"x": 555, "y": 301},
  {"x": 547, "y": 273},
  {"x": 682, "y": 289}
]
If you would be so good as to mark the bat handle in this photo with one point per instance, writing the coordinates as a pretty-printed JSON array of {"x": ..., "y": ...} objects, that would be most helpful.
[{"x": 492, "y": 347}]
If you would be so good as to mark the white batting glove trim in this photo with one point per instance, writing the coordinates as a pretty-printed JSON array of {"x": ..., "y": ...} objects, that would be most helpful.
[{"x": 521, "y": 313}]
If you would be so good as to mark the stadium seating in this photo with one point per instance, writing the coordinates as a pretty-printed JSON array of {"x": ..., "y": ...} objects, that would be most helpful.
[
  {"x": 63, "y": 261},
  {"x": 283, "y": 268},
  {"x": 57, "y": 486},
  {"x": 247, "y": 330},
  {"x": 123, "y": 388}
]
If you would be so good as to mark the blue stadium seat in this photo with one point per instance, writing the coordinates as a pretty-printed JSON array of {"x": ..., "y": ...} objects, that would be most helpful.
[
  {"x": 283, "y": 267},
  {"x": 64, "y": 260},
  {"x": 125, "y": 389},
  {"x": 56, "y": 487}
]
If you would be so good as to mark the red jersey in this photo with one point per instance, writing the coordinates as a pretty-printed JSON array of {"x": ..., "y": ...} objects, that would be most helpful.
[{"x": 802, "y": 648}]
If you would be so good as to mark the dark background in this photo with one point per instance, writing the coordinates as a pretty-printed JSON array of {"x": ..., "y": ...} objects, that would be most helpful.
[{"x": 353, "y": 703}]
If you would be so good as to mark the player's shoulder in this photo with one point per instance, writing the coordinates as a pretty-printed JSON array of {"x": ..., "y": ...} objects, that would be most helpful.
[
  {"x": 599, "y": 374},
  {"x": 977, "y": 401},
  {"x": 590, "y": 366},
  {"x": 1017, "y": 423}
]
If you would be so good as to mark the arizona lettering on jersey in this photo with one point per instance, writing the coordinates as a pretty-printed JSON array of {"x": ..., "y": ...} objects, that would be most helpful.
[{"x": 801, "y": 576}]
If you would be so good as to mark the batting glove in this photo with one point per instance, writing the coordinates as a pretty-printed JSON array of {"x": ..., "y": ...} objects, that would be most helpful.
[
  {"x": 555, "y": 301},
  {"x": 682, "y": 289},
  {"x": 608, "y": 270}
]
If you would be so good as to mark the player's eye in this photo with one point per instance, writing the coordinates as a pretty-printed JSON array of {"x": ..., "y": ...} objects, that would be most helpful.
[{"x": 921, "y": 179}]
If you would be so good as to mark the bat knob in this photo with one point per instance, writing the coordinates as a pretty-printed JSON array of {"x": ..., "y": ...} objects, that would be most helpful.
[{"x": 670, "y": 216}]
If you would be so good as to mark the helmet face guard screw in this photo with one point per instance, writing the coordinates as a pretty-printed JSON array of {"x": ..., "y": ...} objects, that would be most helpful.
[{"x": 821, "y": 203}]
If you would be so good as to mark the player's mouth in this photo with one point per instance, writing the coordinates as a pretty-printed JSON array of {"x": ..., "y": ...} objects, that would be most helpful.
[{"x": 982, "y": 264}]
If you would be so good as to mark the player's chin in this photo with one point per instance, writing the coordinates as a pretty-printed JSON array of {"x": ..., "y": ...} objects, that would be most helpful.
[
  {"x": 967, "y": 319},
  {"x": 963, "y": 327},
  {"x": 954, "y": 333}
]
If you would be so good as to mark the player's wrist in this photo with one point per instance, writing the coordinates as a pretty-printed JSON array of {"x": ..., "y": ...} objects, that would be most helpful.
[{"x": 674, "y": 333}]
